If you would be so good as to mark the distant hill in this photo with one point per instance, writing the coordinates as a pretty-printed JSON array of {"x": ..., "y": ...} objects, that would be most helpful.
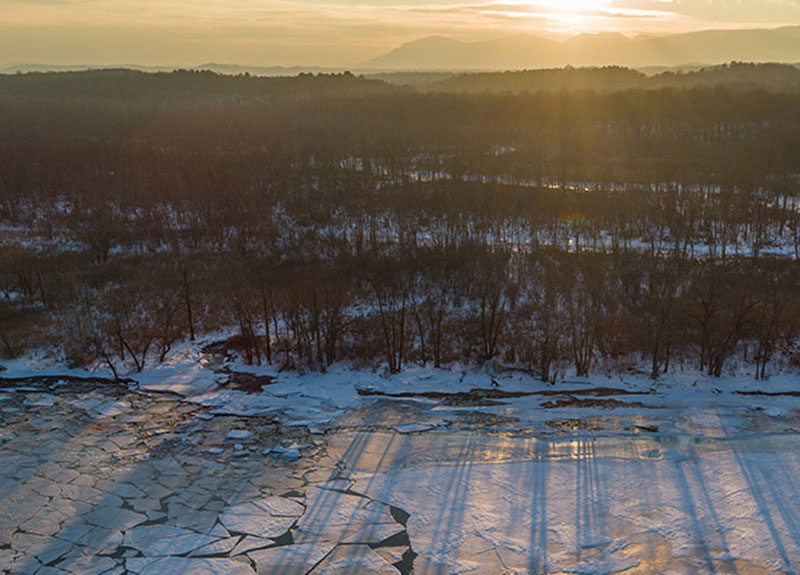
[
  {"x": 188, "y": 85},
  {"x": 774, "y": 77},
  {"x": 607, "y": 79},
  {"x": 234, "y": 69},
  {"x": 182, "y": 85},
  {"x": 44, "y": 68},
  {"x": 525, "y": 52},
  {"x": 227, "y": 69}
]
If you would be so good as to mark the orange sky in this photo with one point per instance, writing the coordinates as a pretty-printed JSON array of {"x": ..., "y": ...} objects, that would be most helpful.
[{"x": 330, "y": 32}]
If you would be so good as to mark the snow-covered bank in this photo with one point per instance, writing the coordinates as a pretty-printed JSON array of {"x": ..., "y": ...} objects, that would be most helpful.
[{"x": 515, "y": 398}]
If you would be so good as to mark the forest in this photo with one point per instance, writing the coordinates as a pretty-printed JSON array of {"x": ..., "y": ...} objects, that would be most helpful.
[{"x": 643, "y": 226}]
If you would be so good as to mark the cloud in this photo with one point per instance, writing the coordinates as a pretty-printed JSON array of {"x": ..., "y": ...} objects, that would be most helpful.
[{"x": 332, "y": 31}]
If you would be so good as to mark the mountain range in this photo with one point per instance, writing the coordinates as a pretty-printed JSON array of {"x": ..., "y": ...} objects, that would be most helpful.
[
  {"x": 651, "y": 54},
  {"x": 525, "y": 52}
]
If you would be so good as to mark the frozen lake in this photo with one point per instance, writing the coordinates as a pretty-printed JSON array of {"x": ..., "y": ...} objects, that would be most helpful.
[
  {"x": 100, "y": 479},
  {"x": 591, "y": 505}
]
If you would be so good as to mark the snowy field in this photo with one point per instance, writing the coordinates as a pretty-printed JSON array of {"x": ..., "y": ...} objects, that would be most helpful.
[{"x": 205, "y": 466}]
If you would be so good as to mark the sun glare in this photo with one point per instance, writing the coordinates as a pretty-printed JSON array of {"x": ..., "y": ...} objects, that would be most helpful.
[
  {"x": 576, "y": 6},
  {"x": 575, "y": 14}
]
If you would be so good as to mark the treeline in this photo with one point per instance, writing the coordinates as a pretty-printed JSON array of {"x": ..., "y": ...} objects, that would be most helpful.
[
  {"x": 120, "y": 149},
  {"x": 737, "y": 76},
  {"x": 548, "y": 232},
  {"x": 547, "y": 311},
  {"x": 180, "y": 86}
]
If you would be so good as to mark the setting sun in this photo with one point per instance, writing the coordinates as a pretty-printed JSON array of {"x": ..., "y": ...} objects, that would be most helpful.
[
  {"x": 578, "y": 15},
  {"x": 573, "y": 7}
]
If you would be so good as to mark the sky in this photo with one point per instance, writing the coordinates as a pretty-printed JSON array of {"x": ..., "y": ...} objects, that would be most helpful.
[{"x": 331, "y": 32}]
